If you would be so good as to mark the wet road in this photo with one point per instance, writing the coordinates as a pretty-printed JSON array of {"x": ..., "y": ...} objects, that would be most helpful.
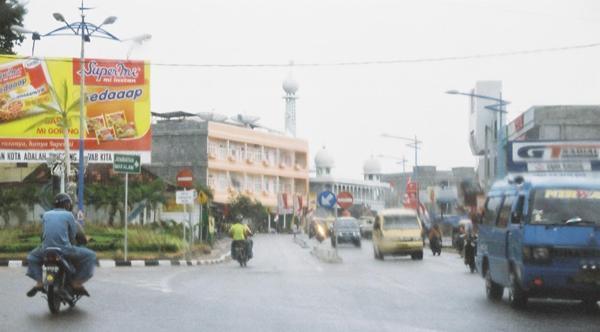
[{"x": 285, "y": 288}]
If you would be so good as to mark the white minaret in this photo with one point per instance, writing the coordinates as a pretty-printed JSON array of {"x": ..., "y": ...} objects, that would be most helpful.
[{"x": 290, "y": 86}]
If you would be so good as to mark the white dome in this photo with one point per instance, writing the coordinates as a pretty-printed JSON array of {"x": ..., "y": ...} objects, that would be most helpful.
[
  {"x": 290, "y": 85},
  {"x": 372, "y": 166},
  {"x": 324, "y": 159}
]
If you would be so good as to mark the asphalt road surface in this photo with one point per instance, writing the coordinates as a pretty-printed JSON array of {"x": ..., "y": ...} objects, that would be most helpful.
[{"x": 285, "y": 288}]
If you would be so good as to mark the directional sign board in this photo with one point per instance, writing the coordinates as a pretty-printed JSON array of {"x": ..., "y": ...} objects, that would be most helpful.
[
  {"x": 345, "y": 199},
  {"x": 326, "y": 199},
  {"x": 127, "y": 163},
  {"x": 185, "y": 196}
]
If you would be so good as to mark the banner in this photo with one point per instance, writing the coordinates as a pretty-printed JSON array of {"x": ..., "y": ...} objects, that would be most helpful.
[{"x": 39, "y": 99}]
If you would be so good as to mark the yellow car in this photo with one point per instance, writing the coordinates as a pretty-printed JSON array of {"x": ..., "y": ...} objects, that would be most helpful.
[{"x": 397, "y": 232}]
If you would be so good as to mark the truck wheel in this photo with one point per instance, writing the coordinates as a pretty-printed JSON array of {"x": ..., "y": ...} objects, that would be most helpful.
[
  {"x": 492, "y": 290},
  {"x": 517, "y": 297}
]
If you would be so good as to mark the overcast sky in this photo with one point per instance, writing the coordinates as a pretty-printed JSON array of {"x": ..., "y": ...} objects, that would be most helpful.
[{"x": 346, "y": 108}]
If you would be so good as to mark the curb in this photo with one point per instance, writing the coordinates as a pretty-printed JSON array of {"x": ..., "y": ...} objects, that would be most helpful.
[
  {"x": 326, "y": 255},
  {"x": 135, "y": 263}
]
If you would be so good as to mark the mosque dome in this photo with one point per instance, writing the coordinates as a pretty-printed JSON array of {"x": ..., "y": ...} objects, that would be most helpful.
[
  {"x": 324, "y": 159},
  {"x": 290, "y": 85},
  {"x": 372, "y": 166}
]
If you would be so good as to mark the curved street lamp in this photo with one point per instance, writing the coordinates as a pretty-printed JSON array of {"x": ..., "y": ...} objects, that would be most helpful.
[
  {"x": 500, "y": 110},
  {"x": 84, "y": 30}
]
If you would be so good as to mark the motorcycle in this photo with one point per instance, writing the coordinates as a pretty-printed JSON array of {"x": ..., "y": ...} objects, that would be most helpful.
[
  {"x": 57, "y": 273},
  {"x": 240, "y": 251},
  {"x": 435, "y": 244},
  {"x": 470, "y": 252}
]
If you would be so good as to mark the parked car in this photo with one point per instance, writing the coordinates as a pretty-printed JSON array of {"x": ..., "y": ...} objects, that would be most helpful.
[
  {"x": 397, "y": 232},
  {"x": 366, "y": 227},
  {"x": 346, "y": 230}
]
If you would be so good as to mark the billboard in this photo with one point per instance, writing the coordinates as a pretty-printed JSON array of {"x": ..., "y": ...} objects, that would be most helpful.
[
  {"x": 558, "y": 157},
  {"x": 40, "y": 97}
]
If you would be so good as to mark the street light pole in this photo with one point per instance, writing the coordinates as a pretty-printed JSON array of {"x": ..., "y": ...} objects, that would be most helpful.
[{"x": 82, "y": 115}]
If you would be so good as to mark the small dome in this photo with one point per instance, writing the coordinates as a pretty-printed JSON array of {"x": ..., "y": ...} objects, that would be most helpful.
[
  {"x": 372, "y": 166},
  {"x": 324, "y": 159},
  {"x": 290, "y": 85}
]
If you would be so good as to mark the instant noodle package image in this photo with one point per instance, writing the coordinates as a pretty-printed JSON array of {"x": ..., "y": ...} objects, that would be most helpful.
[
  {"x": 111, "y": 121},
  {"x": 24, "y": 85}
]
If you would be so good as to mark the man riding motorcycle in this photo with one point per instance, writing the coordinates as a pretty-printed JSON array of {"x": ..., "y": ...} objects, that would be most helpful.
[
  {"x": 239, "y": 233},
  {"x": 59, "y": 229}
]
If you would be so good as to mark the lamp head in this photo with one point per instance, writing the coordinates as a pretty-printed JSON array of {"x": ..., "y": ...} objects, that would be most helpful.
[
  {"x": 452, "y": 92},
  {"x": 58, "y": 17},
  {"x": 20, "y": 29},
  {"x": 141, "y": 38},
  {"x": 109, "y": 20}
]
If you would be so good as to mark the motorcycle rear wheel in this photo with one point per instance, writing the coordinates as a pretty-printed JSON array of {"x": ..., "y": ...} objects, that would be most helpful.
[{"x": 53, "y": 300}]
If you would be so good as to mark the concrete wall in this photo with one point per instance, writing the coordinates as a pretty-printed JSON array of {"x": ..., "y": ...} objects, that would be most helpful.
[{"x": 178, "y": 144}]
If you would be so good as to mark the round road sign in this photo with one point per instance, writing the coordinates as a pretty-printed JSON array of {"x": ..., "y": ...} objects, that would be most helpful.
[
  {"x": 185, "y": 178},
  {"x": 345, "y": 199}
]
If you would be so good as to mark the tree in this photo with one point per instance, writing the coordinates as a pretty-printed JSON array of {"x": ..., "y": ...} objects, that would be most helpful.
[
  {"x": 30, "y": 195},
  {"x": 11, "y": 13},
  {"x": 64, "y": 112},
  {"x": 109, "y": 195},
  {"x": 10, "y": 203},
  {"x": 153, "y": 192},
  {"x": 247, "y": 207}
]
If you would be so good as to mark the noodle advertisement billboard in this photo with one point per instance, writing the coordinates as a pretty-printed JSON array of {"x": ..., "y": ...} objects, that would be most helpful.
[{"x": 39, "y": 99}]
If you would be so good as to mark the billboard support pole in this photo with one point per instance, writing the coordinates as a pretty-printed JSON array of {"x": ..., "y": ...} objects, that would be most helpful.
[{"x": 126, "y": 210}]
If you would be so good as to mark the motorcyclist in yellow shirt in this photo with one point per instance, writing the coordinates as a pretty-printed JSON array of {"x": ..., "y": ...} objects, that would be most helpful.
[{"x": 240, "y": 234}]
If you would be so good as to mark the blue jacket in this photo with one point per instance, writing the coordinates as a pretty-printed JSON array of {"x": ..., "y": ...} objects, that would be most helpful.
[{"x": 58, "y": 228}]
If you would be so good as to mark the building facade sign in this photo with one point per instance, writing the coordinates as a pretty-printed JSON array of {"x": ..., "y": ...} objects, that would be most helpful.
[
  {"x": 34, "y": 92},
  {"x": 554, "y": 156}
]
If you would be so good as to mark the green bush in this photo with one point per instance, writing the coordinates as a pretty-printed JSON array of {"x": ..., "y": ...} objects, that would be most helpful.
[{"x": 158, "y": 238}]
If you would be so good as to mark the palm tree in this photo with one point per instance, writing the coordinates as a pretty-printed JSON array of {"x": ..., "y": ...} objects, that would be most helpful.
[
  {"x": 154, "y": 193},
  {"x": 30, "y": 195},
  {"x": 9, "y": 202},
  {"x": 65, "y": 111},
  {"x": 109, "y": 195}
]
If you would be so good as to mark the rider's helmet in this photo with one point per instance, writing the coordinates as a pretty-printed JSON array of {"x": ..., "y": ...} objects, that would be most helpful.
[
  {"x": 63, "y": 201},
  {"x": 239, "y": 218}
]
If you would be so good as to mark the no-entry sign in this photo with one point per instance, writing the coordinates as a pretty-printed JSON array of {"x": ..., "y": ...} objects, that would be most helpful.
[
  {"x": 345, "y": 199},
  {"x": 185, "y": 178}
]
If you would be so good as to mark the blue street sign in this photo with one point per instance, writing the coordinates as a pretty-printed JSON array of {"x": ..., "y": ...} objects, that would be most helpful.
[{"x": 326, "y": 199}]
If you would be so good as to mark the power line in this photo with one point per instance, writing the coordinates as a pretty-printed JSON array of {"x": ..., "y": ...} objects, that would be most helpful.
[{"x": 363, "y": 63}]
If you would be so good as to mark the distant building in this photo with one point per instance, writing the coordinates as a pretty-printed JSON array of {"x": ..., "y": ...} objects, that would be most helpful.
[
  {"x": 369, "y": 193},
  {"x": 556, "y": 123},
  {"x": 439, "y": 190},
  {"x": 231, "y": 159}
]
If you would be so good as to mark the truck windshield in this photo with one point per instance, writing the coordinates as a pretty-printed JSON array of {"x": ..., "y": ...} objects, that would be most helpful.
[
  {"x": 565, "y": 206},
  {"x": 400, "y": 222}
]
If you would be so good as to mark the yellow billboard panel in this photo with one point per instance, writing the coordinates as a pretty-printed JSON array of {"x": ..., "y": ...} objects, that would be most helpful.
[{"x": 39, "y": 99}]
